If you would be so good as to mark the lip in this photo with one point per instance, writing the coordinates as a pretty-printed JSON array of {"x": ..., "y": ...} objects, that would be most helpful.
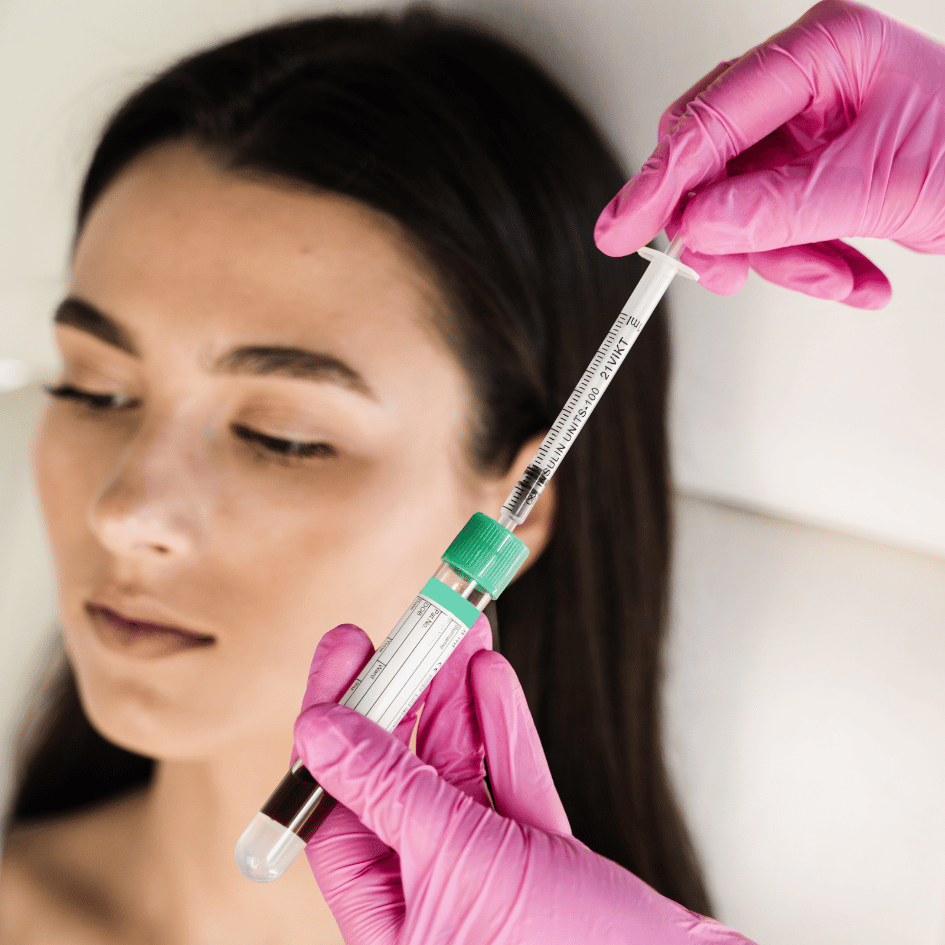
[{"x": 135, "y": 635}]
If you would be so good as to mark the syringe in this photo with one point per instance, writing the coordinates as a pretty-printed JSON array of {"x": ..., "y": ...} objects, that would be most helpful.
[
  {"x": 478, "y": 565},
  {"x": 633, "y": 316}
]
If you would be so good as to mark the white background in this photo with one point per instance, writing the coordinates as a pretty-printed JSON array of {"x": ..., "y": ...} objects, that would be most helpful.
[{"x": 807, "y": 670}]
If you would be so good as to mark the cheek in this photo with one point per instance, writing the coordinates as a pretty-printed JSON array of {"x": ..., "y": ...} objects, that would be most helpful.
[{"x": 329, "y": 549}]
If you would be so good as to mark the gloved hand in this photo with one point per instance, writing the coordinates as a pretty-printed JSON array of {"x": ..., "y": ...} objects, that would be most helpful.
[
  {"x": 834, "y": 127},
  {"x": 417, "y": 856}
]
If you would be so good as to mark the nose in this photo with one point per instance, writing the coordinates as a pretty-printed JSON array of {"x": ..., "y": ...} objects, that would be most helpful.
[{"x": 148, "y": 508}]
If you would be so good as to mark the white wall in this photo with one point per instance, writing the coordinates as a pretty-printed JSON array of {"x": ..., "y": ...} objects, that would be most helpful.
[
  {"x": 27, "y": 595},
  {"x": 807, "y": 665},
  {"x": 806, "y": 715}
]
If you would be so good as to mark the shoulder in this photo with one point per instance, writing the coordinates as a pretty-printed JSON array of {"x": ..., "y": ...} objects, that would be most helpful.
[{"x": 54, "y": 883}]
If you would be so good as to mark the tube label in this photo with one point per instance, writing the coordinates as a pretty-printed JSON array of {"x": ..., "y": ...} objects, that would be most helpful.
[{"x": 411, "y": 655}]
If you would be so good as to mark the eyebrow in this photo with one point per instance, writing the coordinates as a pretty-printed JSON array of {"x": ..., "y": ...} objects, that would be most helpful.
[{"x": 252, "y": 360}]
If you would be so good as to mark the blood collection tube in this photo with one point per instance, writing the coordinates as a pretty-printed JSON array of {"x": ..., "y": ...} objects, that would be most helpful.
[{"x": 478, "y": 565}]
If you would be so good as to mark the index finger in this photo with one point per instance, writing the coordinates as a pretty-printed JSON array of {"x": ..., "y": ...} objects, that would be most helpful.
[
  {"x": 671, "y": 116},
  {"x": 761, "y": 91},
  {"x": 339, "y": 656}
]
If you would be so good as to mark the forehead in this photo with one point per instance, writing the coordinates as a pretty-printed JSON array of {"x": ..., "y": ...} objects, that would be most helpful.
[{"x": 189, "y": 255}]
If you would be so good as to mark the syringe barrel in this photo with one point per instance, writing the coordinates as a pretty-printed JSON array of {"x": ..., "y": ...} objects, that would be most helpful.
[
  {"x": 595, "y": 380},
  {"x": 476, "y": 568}
]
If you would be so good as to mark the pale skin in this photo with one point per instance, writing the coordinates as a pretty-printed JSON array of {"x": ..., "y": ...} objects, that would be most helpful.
[{"x": 166, "y": 505}]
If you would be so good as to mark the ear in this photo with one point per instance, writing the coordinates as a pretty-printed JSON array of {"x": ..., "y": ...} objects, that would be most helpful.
[{"x": 537, "y": 529}]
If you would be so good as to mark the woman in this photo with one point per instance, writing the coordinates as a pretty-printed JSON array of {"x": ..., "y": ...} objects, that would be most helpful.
[{"x": 331, "y": 283}]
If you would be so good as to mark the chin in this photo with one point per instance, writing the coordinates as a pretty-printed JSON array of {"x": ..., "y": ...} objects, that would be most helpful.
[
  {"x": 198, "y": 724},
  {"x": 187, "y": 705},
  {"x": 134, "y": 716}
]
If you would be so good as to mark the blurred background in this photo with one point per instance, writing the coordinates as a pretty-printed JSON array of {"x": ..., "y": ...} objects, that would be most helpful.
[{"x": 806, "y": 697}]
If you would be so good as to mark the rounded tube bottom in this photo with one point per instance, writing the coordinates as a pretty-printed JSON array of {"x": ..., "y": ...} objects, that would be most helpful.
[{"x": 266, "y": 849}]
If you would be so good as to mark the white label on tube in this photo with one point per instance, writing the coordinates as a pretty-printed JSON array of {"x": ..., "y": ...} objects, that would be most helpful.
[{"x": 405, "y": 663}]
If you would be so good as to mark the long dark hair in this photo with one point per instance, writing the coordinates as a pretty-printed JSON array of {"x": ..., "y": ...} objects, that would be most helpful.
[{"x": 497, "y": 177}]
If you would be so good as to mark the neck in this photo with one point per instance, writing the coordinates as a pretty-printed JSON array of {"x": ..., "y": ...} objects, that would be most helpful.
[{"x": 190, "y": 821}]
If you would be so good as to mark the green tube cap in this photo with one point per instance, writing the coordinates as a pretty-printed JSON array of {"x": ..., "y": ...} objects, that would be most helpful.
[{"x": 486, "y": 552}]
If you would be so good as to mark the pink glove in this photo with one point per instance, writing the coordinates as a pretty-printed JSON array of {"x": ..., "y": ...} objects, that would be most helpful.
[
  {"x": 835, "y": 127},
  {"x": 417, "y": 856}
]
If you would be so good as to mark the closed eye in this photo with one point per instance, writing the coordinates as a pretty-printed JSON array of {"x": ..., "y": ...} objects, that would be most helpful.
[
  {"x": 92, "y": 400},
  {"x": 284, "y": 449},
  {"x": 275, "y": 448}
]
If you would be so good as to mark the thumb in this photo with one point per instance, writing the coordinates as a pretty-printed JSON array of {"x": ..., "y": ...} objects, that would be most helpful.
[
  {"x": 790, "y": 220},
  {"x": 831, "y": 270},
  {"x": 391, "y": 791}
]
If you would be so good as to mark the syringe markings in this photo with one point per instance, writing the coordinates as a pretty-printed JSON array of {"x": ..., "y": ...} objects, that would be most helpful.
[{"x": 598, "y": 374}]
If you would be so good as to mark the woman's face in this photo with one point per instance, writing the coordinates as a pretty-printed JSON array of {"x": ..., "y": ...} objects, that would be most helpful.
[{"x": 259, "y": 436}]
